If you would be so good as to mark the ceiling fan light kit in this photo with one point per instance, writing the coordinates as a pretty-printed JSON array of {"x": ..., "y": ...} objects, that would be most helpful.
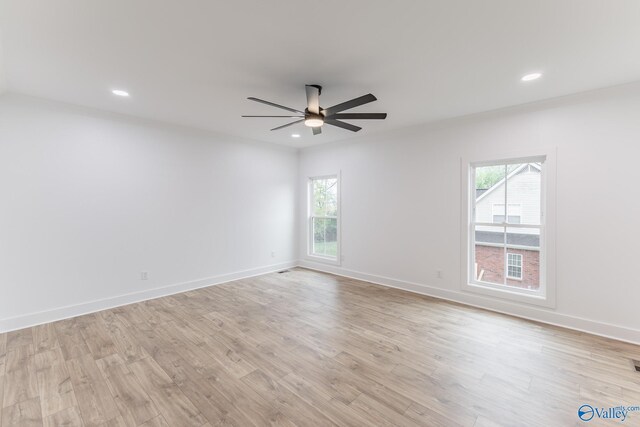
[
  {"x": 313, "y": 120},
  {"x": 315, "y": 116}
]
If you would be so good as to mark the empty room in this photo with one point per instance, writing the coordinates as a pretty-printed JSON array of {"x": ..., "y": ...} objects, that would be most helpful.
[{"x": 337, "y": 213}]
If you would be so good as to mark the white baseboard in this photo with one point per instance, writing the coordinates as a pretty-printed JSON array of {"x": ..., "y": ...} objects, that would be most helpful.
[
  {"x": 607, "y": 330},
  {"x": 542, "y": 315},
  {"x": 33, "y": 319}
]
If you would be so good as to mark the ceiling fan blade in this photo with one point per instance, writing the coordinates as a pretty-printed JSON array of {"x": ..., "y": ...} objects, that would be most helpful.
[
  {"x": 288, "y": 124},
  {"x": 365, "y": 99},
  {"x": 358, "y": 116},
  {"x": 342, "y": 125},
  {"x": 317, "y": 131},
  {"x": 293, "y": 117},
  {"x": 262, "y": 101},
  {"x": 313, "y": 98}
]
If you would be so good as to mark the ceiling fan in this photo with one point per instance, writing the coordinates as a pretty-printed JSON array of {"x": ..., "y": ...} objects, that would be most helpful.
[{"x": 315, "y": 116}]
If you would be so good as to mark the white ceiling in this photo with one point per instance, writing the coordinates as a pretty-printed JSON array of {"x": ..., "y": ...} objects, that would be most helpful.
[{"x": 194, "y": 62}]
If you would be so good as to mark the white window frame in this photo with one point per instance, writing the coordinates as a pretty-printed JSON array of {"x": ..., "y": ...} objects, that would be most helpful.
[
  {"x": 546, "y": 294},
  {"x": 521, "y": 266},
  {"x": 310, "y": 217}
]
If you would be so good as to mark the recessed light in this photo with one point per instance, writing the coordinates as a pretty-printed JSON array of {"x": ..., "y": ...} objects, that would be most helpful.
[
  {"x": 295, "y": 135},
  {"x": 120, "y": 92},
  {"x": 532, "y": 76}
]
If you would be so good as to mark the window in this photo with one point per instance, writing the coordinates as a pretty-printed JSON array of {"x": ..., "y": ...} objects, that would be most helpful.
[
  {"x": 323, "y": 217},
  {"x": 514, "y": 266},
  {"x": 513, "y": 214},
  {"x": 506, "y": 227}
]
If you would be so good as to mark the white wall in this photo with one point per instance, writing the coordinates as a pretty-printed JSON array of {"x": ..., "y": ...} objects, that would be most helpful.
[
  {"x": 401, "y": 204},
  {"x": 3, "y": 82},
  {"x": 88, "y": 201}
]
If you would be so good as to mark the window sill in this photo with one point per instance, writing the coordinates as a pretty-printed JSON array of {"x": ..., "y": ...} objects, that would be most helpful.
[
  {"x": 324, "y": 259},
  {"x": 523, "y": 296}
]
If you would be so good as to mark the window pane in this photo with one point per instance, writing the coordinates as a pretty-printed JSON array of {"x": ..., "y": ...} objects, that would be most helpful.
[
  {"x": 489, "y": 254},
  {"x": 490, "y": 194},
  {"x": 514, "y": 219},
  {"x": 513, "y": 213},
  {"x": 523, "y": 257},
  {"x": 325, "y": 197},
  {"x": 526, "y": 243},
  {"x": 523, "y": 193},
  {"x": 325, "y": 236}
]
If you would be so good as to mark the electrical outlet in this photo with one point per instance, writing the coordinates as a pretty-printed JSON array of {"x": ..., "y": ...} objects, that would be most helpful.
[
  {"x": 144, "y": 275},
  {"x": 439, "y": 274},
  {"x": 273, "y": 254}
]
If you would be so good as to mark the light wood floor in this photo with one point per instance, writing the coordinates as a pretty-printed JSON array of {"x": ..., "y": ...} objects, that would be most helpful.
[{"x": 307, "y": 349}]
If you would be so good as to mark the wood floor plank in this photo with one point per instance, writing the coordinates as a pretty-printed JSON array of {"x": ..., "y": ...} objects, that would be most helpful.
[
  {"x": 125, "y": 343},
  {"x": 212, "y": 388},
  {"x": 44, "y": 337},
  {"x": 199, "y": 331},
  {"x": 55, "y": 389},
  {"x": 69, "y": 417},
  {"x": 428, "y": 417},
  {"x": 1, "y": 396},
  {"x": 307, "y": 348},
  {"x": 70, "y": 339},
  {"x": 94, "y": 398},
  {"x": 96, "y": 336},
  {"x": 379, "y": 414},
  {"x": 132, "y": 401},
  {"x": 19, "y": 338},
  {"x": 246, "y": 351},
  {"x": 25, "y": 413},
  {"x": 48, "y": 358},
  {"x": 485, "y": 422},
  {"x": 293, "y": 407},
  {"x": 156, "y": 422},
  {"x": 201, "y": 389},
  {"x": 337, "y": 411},
  {"x": 19, "y": 385},
  {"x": 19, "y": 357},
  {"x": 3, "y": 353},
  {"x": 118, "y": 421},
  {"x": 174, "y": 406}
]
